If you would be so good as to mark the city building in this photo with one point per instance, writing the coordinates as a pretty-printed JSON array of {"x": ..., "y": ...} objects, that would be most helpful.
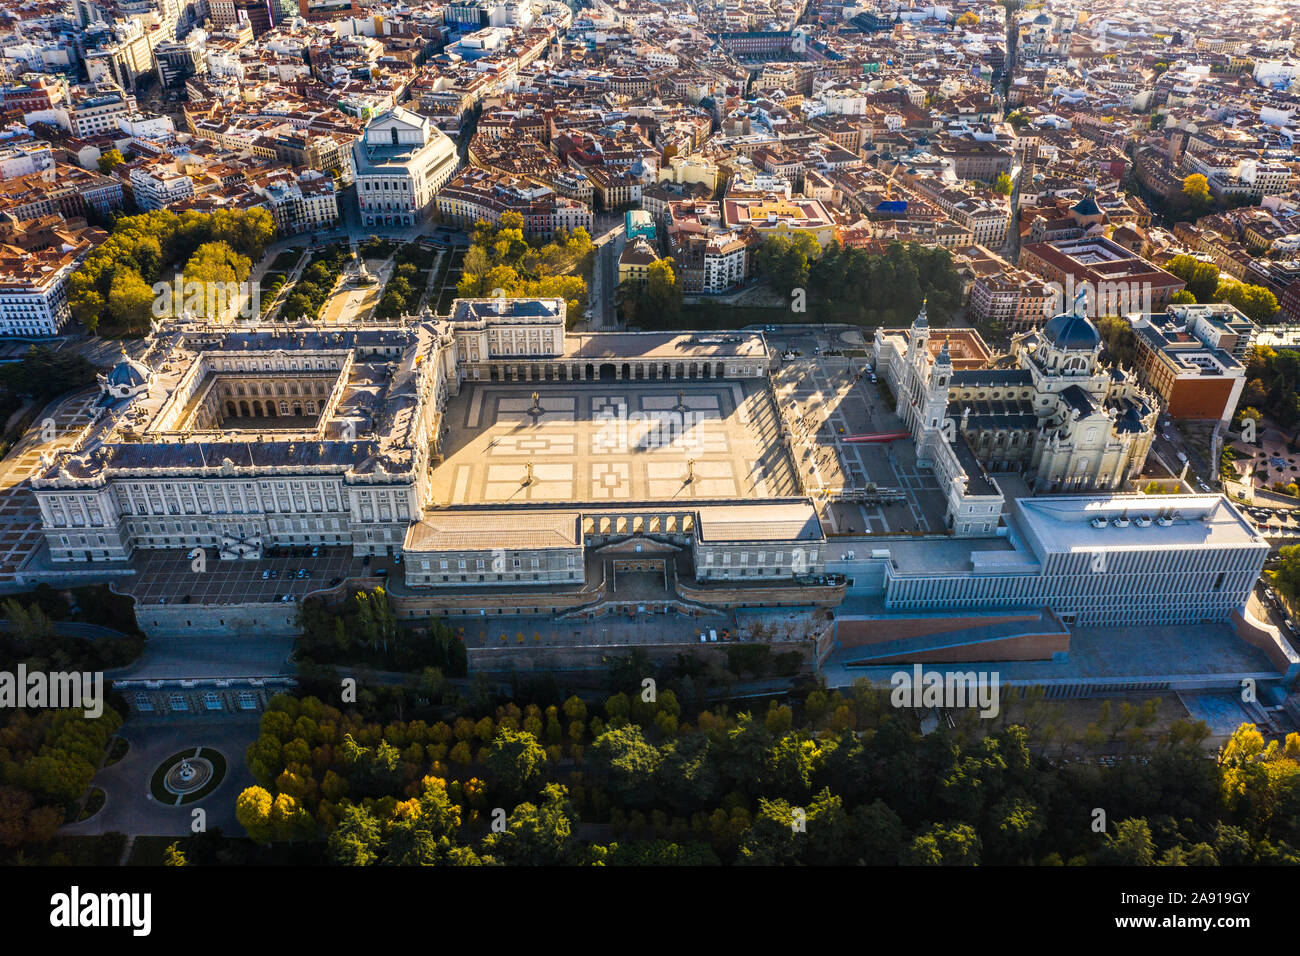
[
  {"x": 1191, "y": 356},
  {"x": 401, "y": 161}
]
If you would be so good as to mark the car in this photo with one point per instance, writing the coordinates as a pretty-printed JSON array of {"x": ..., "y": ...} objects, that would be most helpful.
[
  {"x": 275, "y": 572},
  {"x": 397, "y": 559},
  {"x": 382, "y": 573},
  {"x": 286, "y": 599},
  {"x": 1182, "y": 456},
  {"x": 703, "y": 639},
  {"x": 266, "y": 575},
  {"x": 162, "y": 600},
  {"x": 302, "y": 572},
  {"x": 334, "y": 581}
]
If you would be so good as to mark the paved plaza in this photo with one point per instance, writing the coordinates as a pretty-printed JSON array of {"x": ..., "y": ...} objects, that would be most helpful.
[
  {"x": 826, "y": 401},
  {"x": 611, "y": 441}
]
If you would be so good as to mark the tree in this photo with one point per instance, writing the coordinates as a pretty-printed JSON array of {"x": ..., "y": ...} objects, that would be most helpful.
[
  {"x": 423, "y": 831},
  {"x": 1129, "y": 845},
  {"x": 130, "y": 301},
  {"x": 110, "y": 160},
  {"x": 1182, "y": 297},
  {"x": 784, "y": 261},
  {"x": 1202, "y": 278},
  {"x": 515, "y": 759},
  {"x": 1255, "y": 302},
  {"x": 537, "y": 834},
  {"x": 629, "y": 760},
  {"x": 355, "y": 841},
  {"x": 253, "y": 811},
  {"x": 44, "y": 374},
  {"x": 663, "y": 292},
  {"x": 1196, "y": 189},
  {"x": 1121, "y": 342},
  {"x": 954, "y": 844},
  {"x": 1002, "y": 185}
]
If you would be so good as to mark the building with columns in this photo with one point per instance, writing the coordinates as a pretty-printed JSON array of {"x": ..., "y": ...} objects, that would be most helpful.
[
  {"x": 230, "y": 442},
  {"x": 401, "y": 162}
]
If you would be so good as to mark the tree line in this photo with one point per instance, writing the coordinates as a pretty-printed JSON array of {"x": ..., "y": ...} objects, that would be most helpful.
[
  {"x": 1205, "y": 284},
  {"x": 364, "y": 630},
  {"x": 114, "y": 285},
  {"x": 830, "y": 778},
  {"x": 500, "y": 258},
  {"x": 873, "y": 288}
]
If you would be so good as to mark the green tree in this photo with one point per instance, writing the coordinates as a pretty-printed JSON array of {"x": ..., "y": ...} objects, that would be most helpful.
[
  {"x": 537, "y": 834},
  {"x": 629, "y": 760},
  {"x": 130, "y": 301},
  {"x": 1129, "y": 845},
  {"x": 356, "y": 840},
  {"x": 955, "y": 844},
  {"x": 515, "y": 759},
  {"x": 110, "y": 160}
]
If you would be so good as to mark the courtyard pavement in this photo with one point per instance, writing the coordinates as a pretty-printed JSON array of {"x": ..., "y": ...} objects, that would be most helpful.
[{"x": 611, "y": 442}]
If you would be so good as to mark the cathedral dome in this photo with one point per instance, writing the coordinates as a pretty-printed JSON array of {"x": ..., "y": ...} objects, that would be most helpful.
[{"x": 1071, "y": 332}]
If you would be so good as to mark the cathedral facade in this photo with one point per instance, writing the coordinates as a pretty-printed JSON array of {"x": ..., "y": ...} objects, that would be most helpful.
[{"x": 1052, "y": 409}]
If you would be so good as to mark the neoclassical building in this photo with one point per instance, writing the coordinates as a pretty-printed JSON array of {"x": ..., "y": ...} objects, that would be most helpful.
[
  {"x": 236, "y": 440},
  {"x": 401, "y": 161},
  {"x": 1051, "y": 410}
]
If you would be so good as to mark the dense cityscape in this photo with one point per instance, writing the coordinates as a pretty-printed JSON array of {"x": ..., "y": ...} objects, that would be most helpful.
[{"x": 652, "y": 433}]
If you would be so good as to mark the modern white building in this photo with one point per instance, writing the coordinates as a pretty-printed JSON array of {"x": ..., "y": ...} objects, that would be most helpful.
[
  {"x": 1094, "y": 560},
  {"x": 158, "y": 186}
]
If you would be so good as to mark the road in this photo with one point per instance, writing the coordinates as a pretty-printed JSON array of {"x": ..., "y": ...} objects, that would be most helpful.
[{"x": 604, "y": 279}]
